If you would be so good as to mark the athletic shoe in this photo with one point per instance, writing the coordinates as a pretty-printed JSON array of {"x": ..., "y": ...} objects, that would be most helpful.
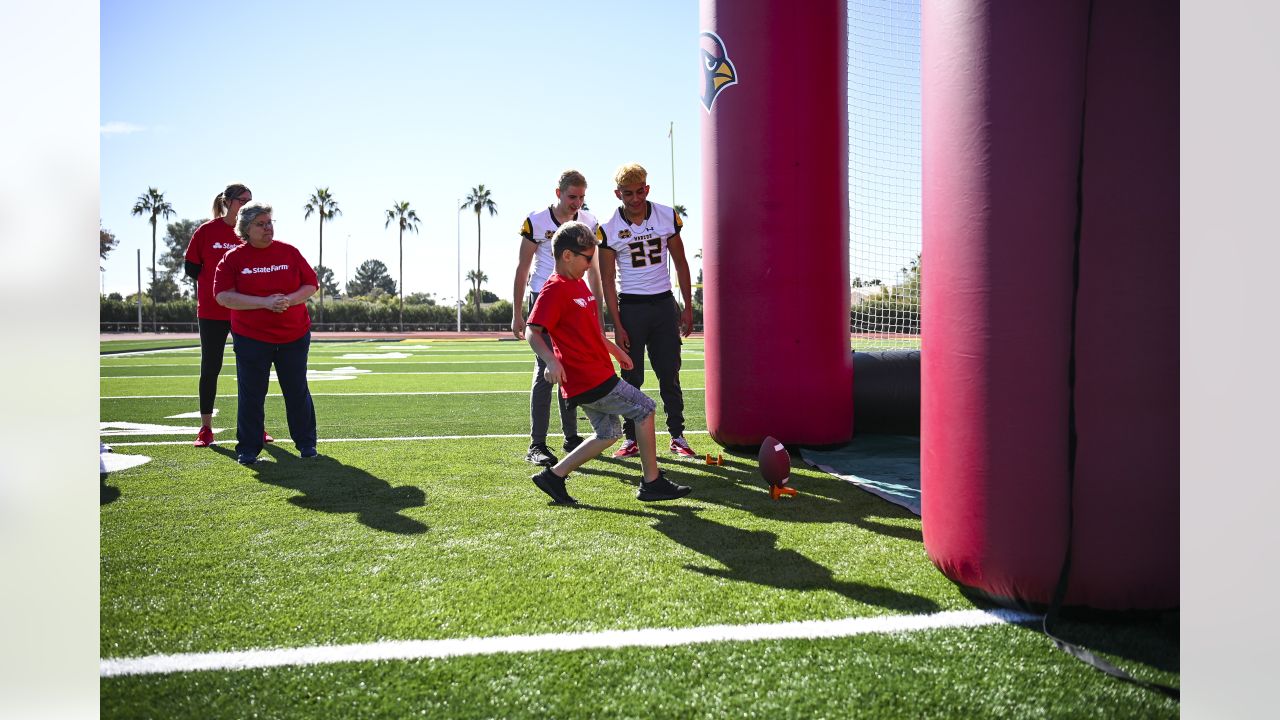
[
  {"x": 267, "y": 438},
  {"x": 571, "y": 444},
  {"x": 628, "y": 449},
  {"x": 553, "y": 485},
  {"x": 680, "y": 447},
  {"x": 661, "y": 489},
  {"x": 307, "y": 452},
  {"x": 247, "y": 459},
  {"x": 204, "y": 438},
  {"x": 540, "y": 455}
]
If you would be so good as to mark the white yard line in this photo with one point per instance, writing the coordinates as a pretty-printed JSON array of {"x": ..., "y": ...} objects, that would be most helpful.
[
  {"x": 313, "y": 362},
  {"x": 606, "y": 640},
  {"x": 403, "y": 438},
  {"x": 524, "y": 391},
  {"x": 443, "y": 372}
]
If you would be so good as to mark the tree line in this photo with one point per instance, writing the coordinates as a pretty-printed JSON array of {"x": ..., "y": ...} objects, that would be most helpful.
[{"x": 372, "y": 280}]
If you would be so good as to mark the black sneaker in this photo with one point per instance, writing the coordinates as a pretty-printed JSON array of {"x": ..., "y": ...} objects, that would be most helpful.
[
  {"x": 571, "y": 444},
  {"x": 247, "y": 459},
  {"x": 661, "y": 489},
  {"x": 553, "y": 485},
  {"x": 540, "y": 455},
  {"x": 308, "y": 452}
]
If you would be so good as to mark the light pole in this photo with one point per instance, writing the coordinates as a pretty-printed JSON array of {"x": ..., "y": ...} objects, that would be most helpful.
[
  {"x": 671, "y": 132},
  {"x": 139, "y": 290},
  {"x": 458, "y": 224}
]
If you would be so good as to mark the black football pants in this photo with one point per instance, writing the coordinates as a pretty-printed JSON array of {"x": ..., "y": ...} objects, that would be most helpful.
[{"x": 653, "y": 322}]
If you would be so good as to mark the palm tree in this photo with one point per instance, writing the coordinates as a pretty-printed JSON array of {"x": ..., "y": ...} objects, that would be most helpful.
[
  {"x": 477, "y": 278},
  {"x": 321, "y": 203},
  {"x": 152, "y": 203},
  {"x": 681, "y": 212},
  {"x": 479, "y": 199},
  {"x": 405, "y": 219}
]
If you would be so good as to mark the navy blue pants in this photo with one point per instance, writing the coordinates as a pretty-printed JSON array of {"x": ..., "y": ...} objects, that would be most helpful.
[{"x": 254, "y": 359}]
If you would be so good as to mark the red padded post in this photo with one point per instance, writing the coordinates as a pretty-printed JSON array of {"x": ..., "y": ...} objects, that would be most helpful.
[
  {"x": 775, "y": 244},
  {"x": 1005, "y": 98}
]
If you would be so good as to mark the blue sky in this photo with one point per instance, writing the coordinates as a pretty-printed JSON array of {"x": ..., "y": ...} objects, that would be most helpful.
[{"x": 388, "y": 101}]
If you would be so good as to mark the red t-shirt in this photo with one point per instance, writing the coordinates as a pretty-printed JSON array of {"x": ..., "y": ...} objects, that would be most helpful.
[
  {"x": 208, "y": 244},
  {"x": 566, "y": 309},
  {"x": 277, "y": 268}
]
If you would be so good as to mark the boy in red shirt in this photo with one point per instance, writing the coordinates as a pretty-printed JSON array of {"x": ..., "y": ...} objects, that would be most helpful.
[{"x": 564, "y": 331}]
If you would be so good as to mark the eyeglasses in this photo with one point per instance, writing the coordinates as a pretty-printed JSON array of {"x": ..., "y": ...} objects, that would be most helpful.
[
  {"x": 244, "y": 199},
  {"x": 267, "y": 224},
  {"x": 588, "y": 257}
]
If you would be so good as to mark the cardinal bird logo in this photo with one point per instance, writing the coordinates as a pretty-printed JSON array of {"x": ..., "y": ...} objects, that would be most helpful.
[{"x": 718, "y": 72}]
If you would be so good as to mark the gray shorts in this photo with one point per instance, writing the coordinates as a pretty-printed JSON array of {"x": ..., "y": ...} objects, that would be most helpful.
[{"x": 623, "y": 400}]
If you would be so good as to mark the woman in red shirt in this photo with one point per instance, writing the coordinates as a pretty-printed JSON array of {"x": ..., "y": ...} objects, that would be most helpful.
[
  {"x": 265, "y": 284},
  {"x": 208, "y": 244}
]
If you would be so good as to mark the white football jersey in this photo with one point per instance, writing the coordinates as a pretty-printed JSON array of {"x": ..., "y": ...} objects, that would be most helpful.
[
  {"x": 538, "y": 228},
  {"x": 642, "y": 249}
]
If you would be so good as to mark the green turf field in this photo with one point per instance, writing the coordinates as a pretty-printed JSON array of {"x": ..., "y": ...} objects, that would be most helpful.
[
  {"x": 159, "y": 343},
  {"x": 419, "y": 523}
]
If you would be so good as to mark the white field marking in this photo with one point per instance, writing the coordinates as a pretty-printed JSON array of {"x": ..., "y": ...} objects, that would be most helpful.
[
  {"x": 525, "y": 391},
  {"x": 117, "y": 429},
  {"x": 313, "y": 377},
  {"x": 420, "y": 438},
  {"x": 232, "y": 373},
  {"x": 564, "y": 642},
  {"x": 189, "y": 416},
  {"x": 109, "y": 462},
  {"x": 515, "y": 357},
  {"x": 374, "y": 356},
  {"x": 444, "y": 372},
  {"x": 151, "y": 352},
  {"x": 334, "y": 362}
]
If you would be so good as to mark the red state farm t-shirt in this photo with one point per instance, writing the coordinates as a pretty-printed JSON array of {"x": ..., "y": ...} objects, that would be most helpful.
[
  {"x": 277, "y": 268},
  {"x": 208, "y": 244},
  {"x": 566, "y": 309}
]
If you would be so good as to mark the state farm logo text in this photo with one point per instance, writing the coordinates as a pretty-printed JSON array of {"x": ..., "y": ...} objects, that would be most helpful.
[{"x": 263, "y": 269}]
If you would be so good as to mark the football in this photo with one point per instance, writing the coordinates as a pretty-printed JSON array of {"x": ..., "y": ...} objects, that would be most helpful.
[{"x": 775, "y": 462}]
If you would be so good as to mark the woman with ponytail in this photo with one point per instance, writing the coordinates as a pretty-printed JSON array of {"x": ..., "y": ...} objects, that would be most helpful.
[{"x": 208, "y": 244}]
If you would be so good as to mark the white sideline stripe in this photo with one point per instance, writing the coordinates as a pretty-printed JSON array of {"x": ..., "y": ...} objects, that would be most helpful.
[
  {"x": 370, "y": 372},
  {"x": 403, "y": 438},
  {"x": 368, "y": 394},
  {"x": 607, "y": 640},
  {"x": 311, "y": 363}
]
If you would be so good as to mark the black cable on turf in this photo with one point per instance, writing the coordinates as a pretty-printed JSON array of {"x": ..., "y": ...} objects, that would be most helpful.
[{"x": 1060, "y": 591}]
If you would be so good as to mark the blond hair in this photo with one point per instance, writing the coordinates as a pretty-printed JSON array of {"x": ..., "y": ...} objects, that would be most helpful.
[
  {"x": 630, "y": 174},
  {"x": 572, "y": 178}
]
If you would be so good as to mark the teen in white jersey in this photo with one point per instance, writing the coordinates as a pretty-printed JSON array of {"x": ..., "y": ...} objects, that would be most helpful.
[
  {"x": 535, "y": 250},
  {"x": 636, "y": 244}
]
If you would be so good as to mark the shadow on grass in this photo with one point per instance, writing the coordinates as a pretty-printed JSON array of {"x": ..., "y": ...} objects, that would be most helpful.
[
  {"x": 821, "y": 500},
  {"x": 107, "y": 494},
  {"x": 753, "y": 556},
  {"x": 332, "y": 487},
  {"x": 1149, "y": 638}
]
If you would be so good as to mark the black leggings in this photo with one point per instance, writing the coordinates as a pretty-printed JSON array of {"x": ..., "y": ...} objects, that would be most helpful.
[{"x": 213, "y": 342}]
